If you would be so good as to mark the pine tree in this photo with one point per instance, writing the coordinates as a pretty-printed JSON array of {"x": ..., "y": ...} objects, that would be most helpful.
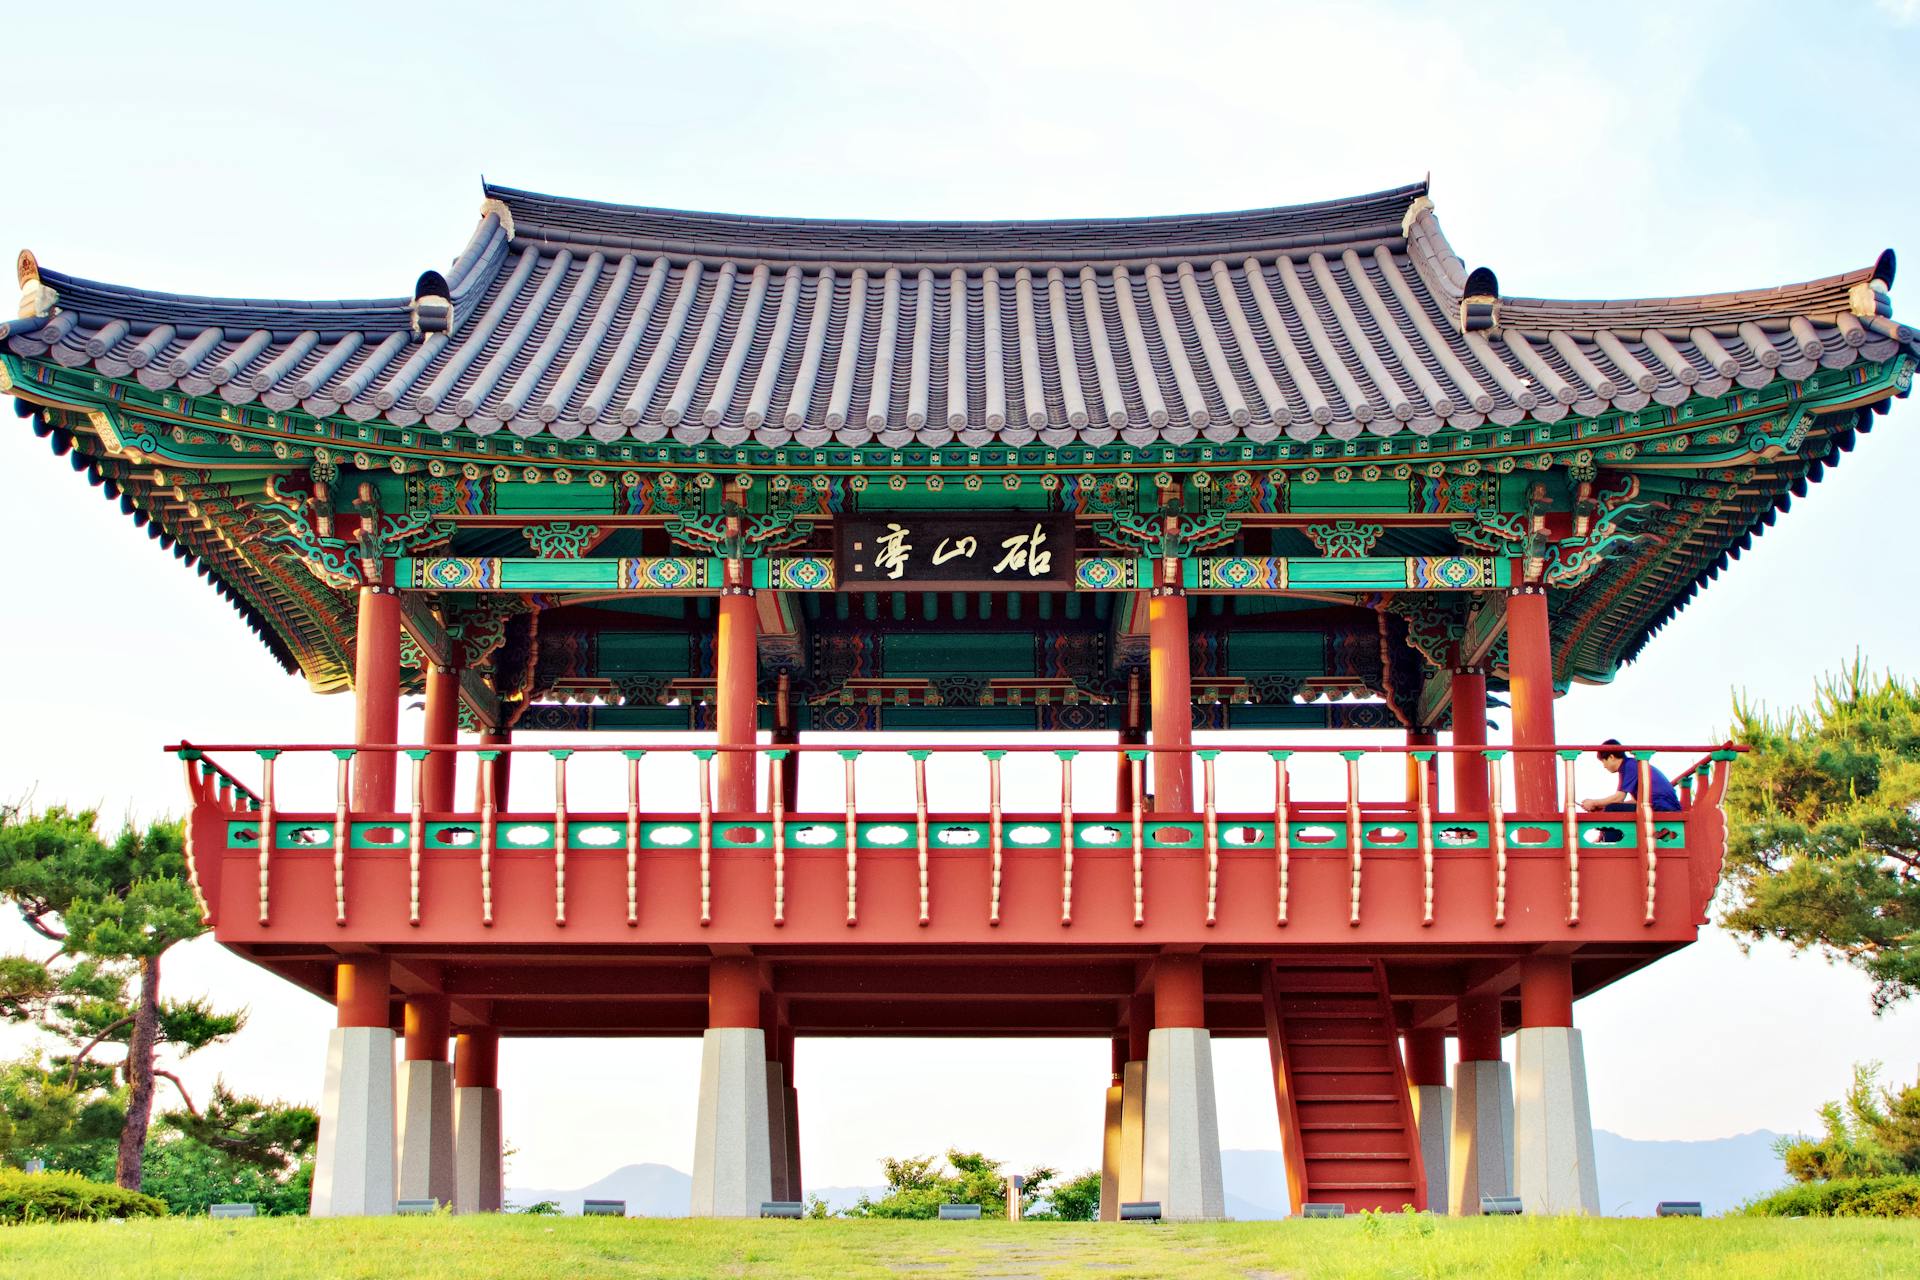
[
  {"x": 115, "y": 908},
  {"x": 1823, "y": 828}
]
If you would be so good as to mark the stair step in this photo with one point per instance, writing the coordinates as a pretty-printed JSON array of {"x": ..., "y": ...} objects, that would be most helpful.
[
  {"x": 1348, "y": 1126},
  {"x": 1343, "y": 1071},
  {"x": 1368, "y": 1041},
  {"x": 1319, "y": 1187},
  {"x": 1400, "y": 1156},
  {"x": 1347, "y": 1097}
]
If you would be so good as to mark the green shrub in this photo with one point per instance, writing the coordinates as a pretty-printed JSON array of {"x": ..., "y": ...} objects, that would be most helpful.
[
  {"x": 68, "y": 1197},
  {"x": 1895, "y": 1197}
]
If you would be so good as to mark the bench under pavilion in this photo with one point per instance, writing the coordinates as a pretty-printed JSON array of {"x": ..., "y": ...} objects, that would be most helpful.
[{"x": 740, "y": 563}]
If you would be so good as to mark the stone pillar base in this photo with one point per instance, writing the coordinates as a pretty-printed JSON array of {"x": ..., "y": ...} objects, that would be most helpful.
[
  {"x": 731, "y": 1176},
  {"x": 1481, "y": 1162},
  {"x": 777, "y": 1166},
  {"x": 1133, "y": 1130},
  {"x": 1552, "y": 1125},
  {"x": 477, "y": 1184},
  {"x": 426, "y": 1131},
  {"x": 1180, "y": 1162},
  {"x": 353, "y": 1170},
  {"x": 1110, "y": 1157},
  {"x": 796, "y": 1188},
  {"x": 1433, "y": 1115}
]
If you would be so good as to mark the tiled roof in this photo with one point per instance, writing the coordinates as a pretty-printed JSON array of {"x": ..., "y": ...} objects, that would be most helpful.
[{"x": 571, "y": 317}]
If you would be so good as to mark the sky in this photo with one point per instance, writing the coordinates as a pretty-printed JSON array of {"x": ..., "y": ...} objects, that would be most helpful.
[{"x": 1614, "y": 151}]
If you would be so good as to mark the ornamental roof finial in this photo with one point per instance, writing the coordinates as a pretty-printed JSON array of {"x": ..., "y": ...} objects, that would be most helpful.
[
  {"x": 36, "y": 297},
  {"x": 1480, "y": 302}
]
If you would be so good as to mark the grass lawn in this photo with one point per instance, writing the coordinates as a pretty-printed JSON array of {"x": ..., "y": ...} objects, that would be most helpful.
[{"x": 525, "y": 1248}]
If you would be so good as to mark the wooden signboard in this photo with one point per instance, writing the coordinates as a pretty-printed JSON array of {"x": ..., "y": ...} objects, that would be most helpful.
[{"x": 1002, "y": 551}]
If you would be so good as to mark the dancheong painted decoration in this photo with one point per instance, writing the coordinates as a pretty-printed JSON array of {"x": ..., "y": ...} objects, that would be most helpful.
[{"x": 732, "y": 489}]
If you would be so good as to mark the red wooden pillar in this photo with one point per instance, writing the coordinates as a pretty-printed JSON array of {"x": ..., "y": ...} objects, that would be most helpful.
[
  {"x": 476, "y": 1059},
  {"x": 786, "y": 733},
  {"x": 1418, "y": 738},
  {"x": 1131, "y": 735},
  {"x": 733, "y": 992},
  {"x": 1469, "y": 730},
  {"x": 442, "y": 730},
  {"x": 1139, "y": 1024},
  {"x": 1169, "y": 674},
  {"x": 362, "y": 990},
  {"x": 1546, "y": 991},
  {"x": 426, "y": 1027},
  {"x": 1179, "y": 995},
  {"x": 1530, "y": 681},
  {"x": 1123, "y": 773},
  {"x": 1479, "y": 1029},
  {"x": 736, "y": 679},
  {"x": 1426, "y": 1057},
  {"x": 501, "y": 768},
  {"x": 376, "y": 688}
]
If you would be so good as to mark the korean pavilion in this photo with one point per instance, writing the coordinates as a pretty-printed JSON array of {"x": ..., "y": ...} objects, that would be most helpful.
[{"x": 834, "y": 628}]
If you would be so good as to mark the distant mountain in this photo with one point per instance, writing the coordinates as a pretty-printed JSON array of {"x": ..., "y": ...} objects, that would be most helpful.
[
  {"x": 1635, "y": 1175},
  {"x": 1721, "y": 1173},
  {"x": 1256, "y": 1185},
  {"x": 839, "y": 1198},
  {"x": 650, "y": 1190}
]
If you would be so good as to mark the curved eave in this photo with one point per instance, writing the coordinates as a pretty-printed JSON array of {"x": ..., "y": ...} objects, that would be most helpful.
[
  {"x": 1611, "y": 619},
  {"x": 297, "y": 619}
]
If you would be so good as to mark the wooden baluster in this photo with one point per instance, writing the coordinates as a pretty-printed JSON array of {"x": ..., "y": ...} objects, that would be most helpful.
[
  {"x": 1570, "y": 817},
  {"x": 342, "y": 832},
  {"x": 268, "y": 836},
  {"x": 853, "y": 841},
  {"x": 1497, "y": 834},
  {"x": 1137, "y": 764},
  {"x": 633, "y": 836},
  {"x": 920, "y": 827},
  {"x": 561, "y": 836},
  {"x": 1066, "y": 835},
  {"x": 777, "y": 793},
  {"x": 416, "y": 836},
  {"x": 1355, "y": 833},
  {"x": 1282, "y": 826},
  {"x": 995, "y": 850},
  {"x": 1643, "y": 806},
  {"x": 705, "y": 758},
  {"x": 1210, "y": 830},
  {"x": 1426, "y": 833},
  {"x": 188, "y": 757},
  {"x": 489, "y": 814}
]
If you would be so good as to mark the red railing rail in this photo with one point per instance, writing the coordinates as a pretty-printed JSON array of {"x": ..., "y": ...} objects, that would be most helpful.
[{"x": 1351, "y": 809}]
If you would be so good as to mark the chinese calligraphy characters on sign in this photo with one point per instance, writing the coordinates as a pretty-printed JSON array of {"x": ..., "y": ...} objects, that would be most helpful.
[
  {"x": 961, "y": 547},
  {"x": 1023, "y": 552},
  {"x": 980, "y": 549},
  {"x": 894, "y": 549}
]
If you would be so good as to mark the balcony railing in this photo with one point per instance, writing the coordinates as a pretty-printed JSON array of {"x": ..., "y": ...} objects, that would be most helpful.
[{"x": 1357, "y": 831}]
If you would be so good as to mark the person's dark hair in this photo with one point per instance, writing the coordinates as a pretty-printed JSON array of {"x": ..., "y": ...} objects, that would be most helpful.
[{"x": 1618, "y": 753}]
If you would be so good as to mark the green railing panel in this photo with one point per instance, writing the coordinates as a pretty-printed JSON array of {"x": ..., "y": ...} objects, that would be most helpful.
[
  {"x": 590, "y": 836},
  {"x": 1374, "y": 835},
  {"x": 751, "y": 835},
  {"x": 1461, "y": 835},
  {"x": 522, "y": 837},
  {"x": 1315, "y": 837},
  {"x": 1519, "y": 841}
]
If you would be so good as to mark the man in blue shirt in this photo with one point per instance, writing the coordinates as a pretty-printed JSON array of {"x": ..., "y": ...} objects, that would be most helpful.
[{"x": 1661, "y": 795}]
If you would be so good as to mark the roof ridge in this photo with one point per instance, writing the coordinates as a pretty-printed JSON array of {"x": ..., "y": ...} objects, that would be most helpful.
[{"x": 1407, "y": 193}]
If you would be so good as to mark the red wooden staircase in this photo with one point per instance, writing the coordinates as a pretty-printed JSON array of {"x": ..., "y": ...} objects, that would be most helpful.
[{"x": 1346, "y": 1119}]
